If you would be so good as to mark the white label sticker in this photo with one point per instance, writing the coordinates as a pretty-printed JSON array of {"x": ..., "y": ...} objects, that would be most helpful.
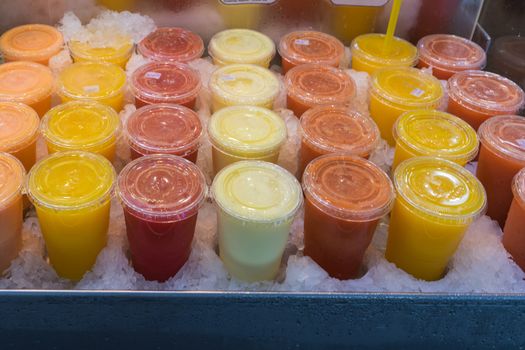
[
  {"x": 153, "y": 75},
  {"x": 417, "y": 92},
  {"x": 304, "y": 42},
  {"x": 228, "y": 77},
  {"x": 91, "y": 89},
  {"x": 240, "y": 2}
]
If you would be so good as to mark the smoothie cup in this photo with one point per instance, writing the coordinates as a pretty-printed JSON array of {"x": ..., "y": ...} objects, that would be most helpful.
[
  {"x": 72, "y": 194},
  {"x": 245, "y": 133},
  {"x": 164, "y": 129},
  {"x": 256, "y": 204},
  {"x": 19, "y": 131},
  {"x": 335, "y": 129},
  {"x": 246, "y": 46},
  {"x": 436, "y": 202},
  {"x": 345, "y": 198},
  {"x": 434, "y": 134},
  {"x": 448, "y": 54},
  {"x": 395, "y": 91},
  {"x": 303, "y": 47},
  {"x": 12, "y": 177},
  {"x": 119, "y": 53},
  {"x": 31, "y": 42},
  {"x": 167, "y": 82},
  {"x": 28, "y": 83},
  {"x": 99, "y": 82},
  {"x": 82, "y": 126},
  {"x": 161, "y": 196},
  {"x": 243, "y": 85},
  {"x": 171, "y": 45},
  {"x": 514, "y": 231},
  {"x": 369, "y": 54},
  {"x": 501, "y": 157},
  {"x": 311, "y": 85},
  {"x": 476, "y": 96}
]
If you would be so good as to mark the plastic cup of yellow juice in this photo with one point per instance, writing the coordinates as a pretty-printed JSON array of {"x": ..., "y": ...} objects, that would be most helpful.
[
  {"x": 99, "y": 82},
  {"x": 245, "y": 133},
  {"x": 82, "y": 126},
  {"x": 118, "y": 54},
  {"x": 241, "y": 46},
  {"x": 256, "y": 204},
  {"x": 398, "y": 90},
  {"x": 72, "y": 194},
  {"x": 243, "y": 85},
  {"x": 369, "y": 54},
  {"x": 436, "y": 202},
  {"x": 434, "y": 133}
]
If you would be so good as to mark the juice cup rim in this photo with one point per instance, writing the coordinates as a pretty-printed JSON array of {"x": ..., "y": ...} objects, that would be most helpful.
[
  {"x": 196, "y": 53},
  {"x": 286, "y": 52},
  {"x": 31, "y": 137},
  {"x": 31, "y": 55},
  {"x": 30, "y": 97},
  {"x": 4, "y": 202},
  {"x": 263, "y": 56},
  {"x": 518, "y": 187},
  {"x": 359, "y": 52},
  {"x": 87, "y": 56},
  {"x": 497, "y": 145}
]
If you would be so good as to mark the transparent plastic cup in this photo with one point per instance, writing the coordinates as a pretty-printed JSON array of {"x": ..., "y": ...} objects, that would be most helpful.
[
  {"x": 435, "y": 134},
  {"x": 476, "y": 96},
  {"x": 171, "y": 44},
  {"x": 311, "y": 85},
  {"x": 12, "y": 178},
  {"x": 245, "y": 133},
  {"x": 448, "y": 54},
  {"x": 369, "y": 55},
  {"x": 28, "y": 83},
  {"x": 514, "y": 231},
  {"x": 161, "y": 196},
  {"x": 335, "y": 129},
  {"x": 346, "y": 196},
  {"x": 245, "y": 46},
  {"x": 501, "y": 157},
  {"x": 395, "y": 91},
  {"x": 164, "y": 129},
  {"x": 82, "y": 126},
  {"x": 118, "y": 54},
  {"x": 256, "y": 204},
  {"x": 304, "y": 47},
  {"x": 72, "y": 194},
  {"x": 436, "y": 202},
  {"x": 19, "y": 132},
  {"x": 243, "y": 85},
  {"x": 165, "y": 82},
  {"x": 31, "y": 42},
  {"x": 100, "y": 82}
]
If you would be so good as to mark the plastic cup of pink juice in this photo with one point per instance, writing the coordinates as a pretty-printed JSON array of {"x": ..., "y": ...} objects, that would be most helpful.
[{"x": 172, "y": 45}]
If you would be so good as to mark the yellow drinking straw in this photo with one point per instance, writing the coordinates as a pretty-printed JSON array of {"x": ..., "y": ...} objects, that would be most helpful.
[{"x": 392, "y": 24}]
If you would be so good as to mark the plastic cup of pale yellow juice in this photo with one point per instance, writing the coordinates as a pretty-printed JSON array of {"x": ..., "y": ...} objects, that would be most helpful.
[
  {"x": 119, "y": 53},
  {"x": 12, "y": 178},
  {"x": 72, "y": 194},
  {"x": 239, "y": 15},
  {"x": 245, "y": 133},
  {"x": 243, "y": 85},
  {"x": 256, "y": 203},
  {"x": 436, "y": 134},
  {"x": 28, "y": 83},
  {"x": 398, "y": 90},
  {"x": 82, "y": 126},
  {"x": 436, "y": 202},
  {"x": 99, "y": 82},
  {"x": 31, "y": 42},
  {"x": 369, "y": 53},
  {"x": 241, "y": 46}
]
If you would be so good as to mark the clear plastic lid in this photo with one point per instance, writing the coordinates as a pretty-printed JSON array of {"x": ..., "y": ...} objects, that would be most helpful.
[
  {"x": 518, "y": 187},
  {"x": 165, "y": 82},
  {"x": 18, "y": 126},
  {"x": 451, "y": 52},
  {"x": 80, "y": 125},
  {"x": 336, "y": 129},
  {"x": 370, "y": 47},
  {"x": 122, "y": 48},
  {"x": 302, "y": 47},
  {"x": 164, "y": 129},
  {"x": 315, "y": 84},
  {"x": 89, "y": 80},
  {"x": 504, "y": 135},
  {"x": 435, "y": 133},
  {"x": 12, "y": 177},
  {"x": 31, "y": 42},
  {"x": 247, "y": 130},
  {"x": 162, "y": 187},
  {"x": 348, "y": 187},
  {"x": 405, "y": 86},
  {"x": 71, "y": 180},
  {"x": 241, "y": 46},
  {"x": 440, "y": 189},
  {"x": 25, "y": 82},
  {"x": 257, "y": 191},
  {"x": 172, "y": 44},
  {"x": 486, "y": 91}
]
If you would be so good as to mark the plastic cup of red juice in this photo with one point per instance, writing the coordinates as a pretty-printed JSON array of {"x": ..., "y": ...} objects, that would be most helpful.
[{"x": 172, "y": 45}]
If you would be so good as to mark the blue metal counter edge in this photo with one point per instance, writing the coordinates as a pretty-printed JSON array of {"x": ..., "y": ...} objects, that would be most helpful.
[{"x": 157, "y": 320}]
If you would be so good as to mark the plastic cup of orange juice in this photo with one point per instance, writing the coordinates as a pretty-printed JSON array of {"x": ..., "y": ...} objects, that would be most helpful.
[{"x": 514, "y": 231}]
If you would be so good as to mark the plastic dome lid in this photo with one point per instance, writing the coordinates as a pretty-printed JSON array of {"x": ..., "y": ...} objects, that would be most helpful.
[
  {"x": 31, "y": 42},
  {"x": 241, "y": 46},
  {"x": 121, "y": 46},
  {"x": 12, "y": 174},
  {"x": 302, "y": 47},
  {"x": 504, "y": 135},
  {"x": 18, "y": 126},
  {"x": 25, "y": 82},
  {"x": 172, "y": 44}
]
